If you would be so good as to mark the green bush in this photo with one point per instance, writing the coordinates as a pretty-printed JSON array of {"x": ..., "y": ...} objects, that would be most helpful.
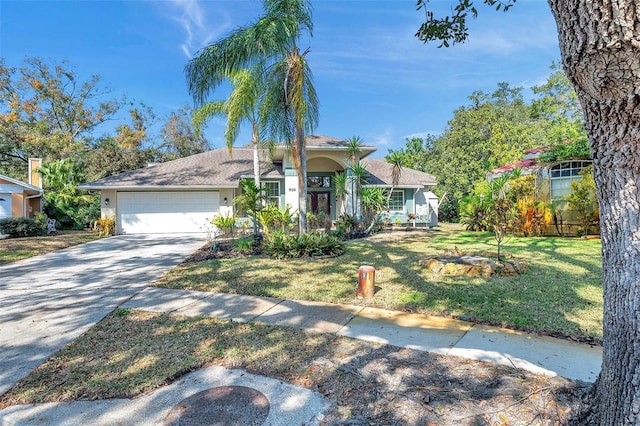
[
  {"x": 225, "y": 223},
  {"x": 281, "y": 245},
  {"x": 473, "y": 213},
  {"x": 273, "y": 218},
  {"x": 448, "y": 210},
  {"x": 20, "y": 227},
  {"x": 245, "y": 245},
  {"x": 41, "y": 220}
]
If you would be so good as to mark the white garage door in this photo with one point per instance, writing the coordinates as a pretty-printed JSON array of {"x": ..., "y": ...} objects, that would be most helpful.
[
  {"x": 5, "y": 206},
  {"x": 165, "y": 212}
]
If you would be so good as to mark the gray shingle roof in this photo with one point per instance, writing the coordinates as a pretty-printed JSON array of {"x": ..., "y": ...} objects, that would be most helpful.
[
  {"x": 220, "y": 169},
  {"x": 327, "y": 142},
  {"x": 380, "y": 175},
  {"x": 212, "y": 169}
]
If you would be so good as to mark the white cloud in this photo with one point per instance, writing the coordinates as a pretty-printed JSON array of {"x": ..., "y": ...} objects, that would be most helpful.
[
  {"x": 194, "y": 20},
  {"x": 381, "y": 139}
]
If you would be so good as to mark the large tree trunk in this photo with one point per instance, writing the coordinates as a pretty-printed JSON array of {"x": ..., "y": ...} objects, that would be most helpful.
[{"x": 600, "y": 45}]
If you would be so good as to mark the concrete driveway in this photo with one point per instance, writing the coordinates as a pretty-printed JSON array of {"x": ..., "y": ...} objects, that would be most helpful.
[{"x": 49, "y": 300}]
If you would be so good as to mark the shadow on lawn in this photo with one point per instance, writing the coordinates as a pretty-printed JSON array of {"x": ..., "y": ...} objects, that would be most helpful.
[
  {"x": 557, "y": 286},
  {"x": 131, "y": 353}
]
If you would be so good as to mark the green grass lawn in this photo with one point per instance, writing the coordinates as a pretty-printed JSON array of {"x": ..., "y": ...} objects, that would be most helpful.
[{"x": 560, "y": 294}]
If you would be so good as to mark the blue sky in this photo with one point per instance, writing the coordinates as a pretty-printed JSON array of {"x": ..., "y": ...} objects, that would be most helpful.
[{"x": 373, "y": 77}]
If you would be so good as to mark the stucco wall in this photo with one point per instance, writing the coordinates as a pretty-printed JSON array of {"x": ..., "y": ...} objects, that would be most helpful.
[
  {"x": 108, "y": 208},
  {"x": 16, "y": 205}
]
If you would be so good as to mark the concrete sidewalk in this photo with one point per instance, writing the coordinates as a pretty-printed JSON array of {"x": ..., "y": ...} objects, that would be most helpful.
[
  {"x": 537, "y": 354},
  {"x": 292, "y": 405}
]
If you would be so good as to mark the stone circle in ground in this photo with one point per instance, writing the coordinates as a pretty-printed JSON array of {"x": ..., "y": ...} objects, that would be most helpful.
[
  {"x": 474, "y": 266},
  {"x": 224, "y": 405}
]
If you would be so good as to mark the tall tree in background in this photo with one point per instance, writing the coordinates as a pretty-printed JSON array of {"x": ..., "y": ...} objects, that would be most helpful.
[
  {"x": 128, "y": 149},
  {"x": 268, "y": 47},
  {"x": 493, "y": 130},
  {"x": 600, "y": 55},
  {"x": 179, "y": 139},
  {"x": 46, "y": 112}
]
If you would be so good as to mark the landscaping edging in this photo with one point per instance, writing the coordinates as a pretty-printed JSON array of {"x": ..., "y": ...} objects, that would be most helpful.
[{"x": 474, "y": 266}]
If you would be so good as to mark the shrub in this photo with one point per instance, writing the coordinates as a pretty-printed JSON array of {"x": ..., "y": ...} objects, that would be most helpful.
[
  {"x": 473, "y": 213},
  {"x": 41, "y": 220},
  {"x": 245, "y": 245},
  {"x": 225, "y": 223},
  {"x": 522, "y": 187},
  {"x": 281, "y": 245},
  {"x": 448, "y": 210},
  {"x": 532, "y": 217},
  {"x": 582, "y": 200},
  {"x": 105, "y": 227},
  {"x": 312, "y": 221},
  {"x": 273, "y": 218},
  {"x": 20, "y": 227},
  {"x": 327, "y": 223}
]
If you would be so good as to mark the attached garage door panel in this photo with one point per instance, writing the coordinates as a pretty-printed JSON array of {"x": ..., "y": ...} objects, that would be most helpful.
[
  {"x": 165, "y": 212},
  {"x": 5, "y": 206}
]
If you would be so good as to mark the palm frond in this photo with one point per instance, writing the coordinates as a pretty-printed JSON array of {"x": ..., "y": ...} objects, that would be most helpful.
[{"x": 201, "y": 115}]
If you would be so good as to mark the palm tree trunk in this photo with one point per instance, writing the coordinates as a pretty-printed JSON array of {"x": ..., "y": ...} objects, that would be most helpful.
[
  {"x": 300, "y": 163},
  {"x": 256, "y": 154}
]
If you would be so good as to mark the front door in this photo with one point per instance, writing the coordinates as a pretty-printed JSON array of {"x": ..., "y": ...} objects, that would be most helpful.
[{"x": 319, "y": 202}]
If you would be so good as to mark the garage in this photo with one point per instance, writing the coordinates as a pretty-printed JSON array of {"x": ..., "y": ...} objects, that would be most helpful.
[{"x": 160, "y": 212}]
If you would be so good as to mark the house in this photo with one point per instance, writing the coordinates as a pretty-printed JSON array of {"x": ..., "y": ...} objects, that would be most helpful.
[
  {"x": 184, "y": 195},
  {"x": 553, "y": 181},
  {"x": 21, "y": 199}
]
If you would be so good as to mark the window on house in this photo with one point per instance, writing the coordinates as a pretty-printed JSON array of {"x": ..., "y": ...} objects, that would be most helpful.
[
  {"x": 396, "y": 202},
  {"x": 562, "y": 175},
  {"x": 273, "y": 192},
  {"x": 319, "y": 181}
]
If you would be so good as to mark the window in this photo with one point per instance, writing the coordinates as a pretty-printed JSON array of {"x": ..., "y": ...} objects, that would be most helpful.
[
  {"x": 273, "y": 192},
  {"x": 568, "y": 169},
  {"x": 319, "y": 181},
  {"x": 562, "y": 175},
  {"x": 396, "y": 202}
]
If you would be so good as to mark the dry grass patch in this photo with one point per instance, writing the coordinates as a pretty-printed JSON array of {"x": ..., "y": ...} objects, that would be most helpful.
[
  {"x": 13, "y": 249},
  {"x": 131, "y": 353}
]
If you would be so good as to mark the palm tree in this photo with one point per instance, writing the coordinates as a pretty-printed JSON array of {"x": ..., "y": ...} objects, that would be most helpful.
[
  {"x": 241, "y": 105},
  {"x": 354, "y": 147},
  {"x": 63, "y": 201},
  {"x": 359, "y": 176},
  {"x": 268, "y": 47},
  {"x": 251, "y": 200},
  {"x": 395, "y": 159},
  {"x": 340, "y": 181},
  {"x": 290, "y": 110},
  {"x": 356, "y": 174}
]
